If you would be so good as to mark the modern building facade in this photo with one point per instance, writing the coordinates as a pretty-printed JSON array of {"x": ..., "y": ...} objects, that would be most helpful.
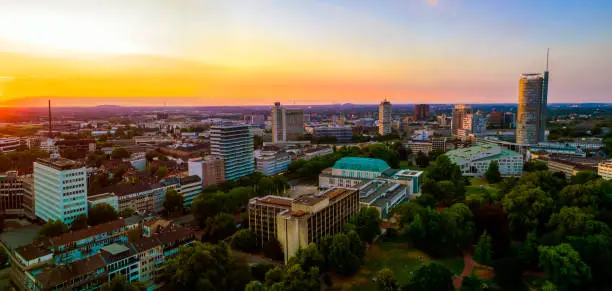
[
  {"x": 29, "y": 206},
  {"x": 350, "y": 171},
  {"x": 287, "y": 124},
  {"x": 190, "y": 187},
  {"x": 234, "y": 144},
  {"x": 460, "y": 111},
  {"x": 60, "y": 189},
  {"x": 210, "y": 169},
  {"x": 272, "y": 162},
  {"x": 382, "y": 194},
  {"x": 262, "y": 215},
  {"x": 604, "y": 169},
  {"x": 474, "y": 161},
  {"x": 11, "y": 195},
  {"x": 421, "y": 112},
  {"x": 341, "y": 133},
  {"x": 9, "y": 144},
  {"x": 533, "y": 99},
  {"x": 384, "y": 117},
  {"x": 108, "y": 198}
]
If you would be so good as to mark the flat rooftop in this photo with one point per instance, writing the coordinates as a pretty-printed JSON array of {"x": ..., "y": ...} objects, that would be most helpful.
[
  {"x": 273, "y": 201},
  {"x": 59, "y": 163},
  {"x": 115, "y": 249},
  {"x": 100, "y": 197}
]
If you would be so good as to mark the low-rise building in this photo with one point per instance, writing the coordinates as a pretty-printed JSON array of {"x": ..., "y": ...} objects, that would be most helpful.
[
  {"x": 121, "y": 261},
  {"x": 419, "y": 146},
  {"x": 316, "y": 152},
  {"x": 382, "y": 194},
  {"x": 342, "y": 134},
  {"x": 350, "y": 171},
  {"x": 108, "y": 198},
  {"x": 474, "y": 161},
  {"x": 604, "y": 169},
  {"x": 190, "y": 187},
  {"x": 272, "y": 162},
  {"x": 9, "y": 144},
  {"x": 144, "y": 198}
]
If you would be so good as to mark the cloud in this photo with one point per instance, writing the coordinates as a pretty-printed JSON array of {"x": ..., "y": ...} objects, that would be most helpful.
[{"x": 432, "y": 2}]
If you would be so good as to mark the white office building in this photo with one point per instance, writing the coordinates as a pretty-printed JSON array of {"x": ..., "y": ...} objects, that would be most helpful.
[
  {"x": 474, "y": 161},
  {"x": 604, "y": 169},
  {"x": 272, "y": 162},
  {"x": 60, "y": 187}
]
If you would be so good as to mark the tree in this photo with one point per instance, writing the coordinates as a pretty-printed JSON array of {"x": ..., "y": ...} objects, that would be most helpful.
[
  {"x": 220, "y": 227},
  {"x": 385, "y": 280},
  {"x": 596, "y": 251},
  {"x": 119, "y": 283},
  {"x": 259, "y": 271},
  {"x": 120, "y": 153},
  {"x": 367, "y": 223},
  {"x": 535, "y": 166},
  {"x": 528, "y": 251},
  {"x": 161, "y": 172},
  {"x": 471, "y": 283},
  {"x": 308, "y": 257},
  {"x": 244, "y": 240},
  {"x": 508, "y": 273},
  {"x": 273, "y": 250},
  {"x": 431, "y": 276},
  {"x": 526, "y": 208},
  {"x": 102, "y": 213},
  {"x": 173, "y": 200},
  {"x": 205, "y": 206},
  {"x": 4, "y": 258},
  {"x": 564, "y": 265},
  {"x": 422, "y": 160},
  {"x": 570, "y": 221},
  {"x": 548, "y": 286},
  {"x": 265, "y": 186},
  {"x": 254, "y": 286},
  {"x": 492, "y": 174},
  {"x": 583, "y": 177},
  {"x": 79, "y": 223},
  {"x": 341, "y": 258},
  {"x": 482, "y": 251},
  {"x": 127, "y": 212},
  {"x": 52, "y": 228},
  {"x": 458, "y": 225}
]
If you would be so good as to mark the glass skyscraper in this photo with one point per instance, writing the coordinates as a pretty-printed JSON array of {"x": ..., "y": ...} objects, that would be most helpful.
[
  {"x": 234, "y": 144},
  {"x": 531, "y": 117}
]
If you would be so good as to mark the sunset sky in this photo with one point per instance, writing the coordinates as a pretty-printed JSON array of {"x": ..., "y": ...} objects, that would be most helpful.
[{"x": 255, "y": 52}]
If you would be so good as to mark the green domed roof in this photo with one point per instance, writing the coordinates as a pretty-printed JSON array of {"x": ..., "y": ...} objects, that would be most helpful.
[{"x": 361, "y": 164}]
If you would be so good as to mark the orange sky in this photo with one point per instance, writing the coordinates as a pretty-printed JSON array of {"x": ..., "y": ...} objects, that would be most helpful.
[{"x": 193, "y": 52}]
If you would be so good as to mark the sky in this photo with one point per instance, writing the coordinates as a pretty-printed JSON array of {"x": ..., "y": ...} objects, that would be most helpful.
[{"x": 256, "y": 52}]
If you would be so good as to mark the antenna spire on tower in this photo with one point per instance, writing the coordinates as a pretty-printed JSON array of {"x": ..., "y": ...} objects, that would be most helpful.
[{"x": 547, "y": 50}]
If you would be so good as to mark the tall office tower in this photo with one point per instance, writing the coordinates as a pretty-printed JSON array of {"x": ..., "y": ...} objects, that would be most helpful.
[
  {"x": 459, "y": 113},
  {"x": 60, "y": 189},
  {"x": 475, "y": 123},
  {"x": 234, "y": 144},
  {"x": 287, "y": 124},
  {"x": 384, "y": 117},
  {"x": 533, "y": 98},
  {"x": 421, "y": 112}
]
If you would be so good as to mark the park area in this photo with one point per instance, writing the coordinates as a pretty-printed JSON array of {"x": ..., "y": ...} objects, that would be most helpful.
[
  {"x": 397, "y": 256},
  {"x": 478, "y": 187}
]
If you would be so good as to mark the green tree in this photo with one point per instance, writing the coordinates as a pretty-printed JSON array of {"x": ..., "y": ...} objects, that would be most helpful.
[
  {"x": 220, "y": 227},
  {"x": 596, "y": 251},
  {"x": 483, "y": 249},
  {"x": 385, "y": 280},
  {"x": 161, "y": 172},
  {"x": 52, "y": 228},
  {"x": 570, "y": 221},
  {"x": 274, "y": 276},
  {"x": 120, "y": 283},
  {"x": 127, "y": 212},
  {"x": 471, "y": 283},
  {"x": 535, "y": 166},
  {"x": 308, "y": 257},
  {"x": 458, "y": 225},
  {"x": 431, "y": 276},
  {"x": 254, "y": 286},
  {"x": 244, "y": 240},
  {"x": 492, "y": 174},
  {"x": 120, "y": 153},
  {"x": 204, "y": 206},
  {"x": 102, "y": 213},
  {"x": 564, "y": 265},
  {"x": 273, "y": 250},
  {"x": 528, "y": 251},
  {"x": 583, "y": 177},
  {"x": 367, "y": 223},
  {"x": 173, "y": 201},
  {"x": 422, "y": 160},
  {"x": 259, "y": 271},
  {"x": 265, "y": 186},
  {"x": 341, "y": 258},
  {"x": 527, "y": 207},
  {"x": 79, "y": 223},
  {"x": 548, "y": 286}
]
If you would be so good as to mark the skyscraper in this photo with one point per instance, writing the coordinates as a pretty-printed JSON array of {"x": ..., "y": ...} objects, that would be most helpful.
[
  {"x": 533, "y": 98},
  {"x": 384, "y": 117},
  {"x": 60, "y": 187},
  {"x": 421, "y": 112},
  {"x": 287, "y": 124},
  {"x": 234, "y": 144},
  {"x": 459, "y": 113}
]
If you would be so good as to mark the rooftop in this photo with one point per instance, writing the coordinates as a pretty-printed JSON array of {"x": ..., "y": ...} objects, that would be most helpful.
[
  {"x": 361, "y": 164},
  {"x": 190, "y": 179},
  {"x": 59, "y": 163},
  {"x": 100, "y": 197},
  {"x": 62, "y": 273},
  {"x": 480, "y": 153},
  {"x": 125, "y": 189},
  {"x": 74, "y": 236},
  {"x": 273, "y": 200},
  {"x": 115, "y": 249}
]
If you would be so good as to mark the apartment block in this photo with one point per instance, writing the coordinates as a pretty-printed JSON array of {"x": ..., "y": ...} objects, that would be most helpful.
[
  {"x": 234, "y": 144},
  {"x": 210, "y": 169},
  {"x": 144, "y": 198},
  {"x": 272, "y": 162},
  {"x": 604, "y": 169},
  {"x": 29, "y": 206},
  {"x": 60, "y": 189},
  {"x": 190, "y": 187}
]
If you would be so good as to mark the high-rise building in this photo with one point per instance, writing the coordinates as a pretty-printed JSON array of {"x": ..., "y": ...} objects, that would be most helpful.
[
  {"x": 459, "y": 112},
  {"x": 287, "y": 124},
  {"x": 509, "y": 120},
  {"x": 210, "y": 169},
  {"x": 234, "y": 144},
  {"x": 533, "y": 98},
  {"x": 421, "y": 112},
  {"x": 475, "y": 123},
  {"x": 496, "y": 119},
  {"x": 60, "y": 189},
  {"x": 384, "y": 117}
]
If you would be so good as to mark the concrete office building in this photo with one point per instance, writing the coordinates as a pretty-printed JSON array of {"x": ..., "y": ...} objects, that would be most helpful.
[
  {"x": 341, "y": 133},
  {"x": 287, "y": 124},
  {"x": 11, "y": 195},
  {"x": 474, "y": 161},
  {"x": 60, "y": 189},
  {"x": 234, "y": 144},
  {"x": 29, "y": 206},
  {"x": 272, "y": 162},
  {"x": 262, "y": 215},
  {"x": 460, "y": 111},
  {"x": 384, "y": 118},
  {"x": 533, "y": 99},
  {"x": 9, "y": 144},
  {"x": 210, "y": 169},
  {"x": 421, "y": 112},
  {"x": 604, "y": 169},
  {"x": 312, "y": 217}
]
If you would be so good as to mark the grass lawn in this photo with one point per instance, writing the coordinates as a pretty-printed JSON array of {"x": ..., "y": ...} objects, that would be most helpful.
[
  {"x": 407, "y": 165},
  {"x": 396, "y": 256},
  {"x": 478, "y": 185}
]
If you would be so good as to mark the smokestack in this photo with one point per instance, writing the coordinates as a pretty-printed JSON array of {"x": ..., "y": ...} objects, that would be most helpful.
[{"x": 50, "y": 123}]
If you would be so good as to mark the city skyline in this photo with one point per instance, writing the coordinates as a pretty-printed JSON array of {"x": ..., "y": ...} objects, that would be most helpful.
[{"x": 200, "y": 53}]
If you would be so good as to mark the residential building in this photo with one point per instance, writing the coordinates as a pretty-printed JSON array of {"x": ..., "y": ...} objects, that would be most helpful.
[
  {"x": 350, "y": 171},
  {"x": 340, "y": 133},
  {"x": 210, "y": 169},
  {"x": 421, "y": 112},
  {"x": 384, "y": 118},
  {"x": 121, "y": 261},
  {"x": 272, "y": 162},
  {"x": 262, "y": 215},
  {"x": 86, "y": 274},
  {"x": 29, "y": 206},
  {"x": 11, "y": 195},
  {"x": 474, "y": 161},
  {"x": 234, "y": 144},
  {"x": 475, "y": 123},
  {"x": 60, "y": 189},
  {"x": 287, "y": 124},
  {"x": 108, "y": 198},
  {"x": 143, "y": 198},
  {"x": 190, "y": 187},
  {"x": 460, "y": 111},
  {"x": 443, "y": 120},
  {"x": 419, "y": 146},
  {"x": 9, "y": 144},
  {"x": 604, "y": 169},
  {"x": 312, "y": 217},
  {"x": 533, "y": 99},
  {"x": 150, "y": 256}
]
